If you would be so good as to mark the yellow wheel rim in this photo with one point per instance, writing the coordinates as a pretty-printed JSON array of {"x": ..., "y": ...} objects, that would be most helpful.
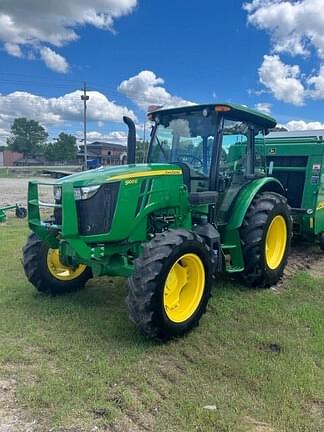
[
  {"x": 61, "y": 271},
  {"x": 276, "y": 242},
  {"x": 184, "y": 288}
]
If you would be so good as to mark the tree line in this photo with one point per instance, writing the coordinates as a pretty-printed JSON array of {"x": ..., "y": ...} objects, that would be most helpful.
[{"x": 29, "y": 137}]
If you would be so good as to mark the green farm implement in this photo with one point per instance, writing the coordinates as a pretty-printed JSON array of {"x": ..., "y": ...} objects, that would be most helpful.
[
  {"x": 296, "y": 159},
  {"x": 202, "y": 204},
  {"x": 20, "y": 212}
]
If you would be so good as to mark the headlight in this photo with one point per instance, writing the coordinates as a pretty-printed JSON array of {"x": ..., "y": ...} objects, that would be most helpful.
[
  {"x": 85, "y": 192},
  {"x": 57, "y": 192}
]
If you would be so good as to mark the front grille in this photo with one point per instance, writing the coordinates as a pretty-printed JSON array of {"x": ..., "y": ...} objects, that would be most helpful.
[{"x": 95, "y": 214}]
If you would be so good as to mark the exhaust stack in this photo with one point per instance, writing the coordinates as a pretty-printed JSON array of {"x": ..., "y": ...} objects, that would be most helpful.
[{"x": 131, "y": 140}]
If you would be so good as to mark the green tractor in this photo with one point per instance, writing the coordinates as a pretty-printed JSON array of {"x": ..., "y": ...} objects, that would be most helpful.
[{"x": 200, "y": 205}]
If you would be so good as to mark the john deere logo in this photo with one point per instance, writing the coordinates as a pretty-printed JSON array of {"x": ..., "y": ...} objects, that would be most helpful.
[{"x": 273, "y": 150}]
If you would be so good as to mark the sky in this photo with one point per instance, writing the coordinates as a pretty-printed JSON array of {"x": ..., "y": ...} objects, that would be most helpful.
[{"x": 266, "y": 54}]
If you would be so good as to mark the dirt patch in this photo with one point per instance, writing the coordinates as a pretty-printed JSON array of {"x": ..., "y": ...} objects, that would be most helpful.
[
  {"x": 257, "y": 426},
  {"x": 14, "y": 419},
  {"x": 11, "y": 418},
  {"x": 317, "y": 409},
  {"x": 306, "y": 257}
]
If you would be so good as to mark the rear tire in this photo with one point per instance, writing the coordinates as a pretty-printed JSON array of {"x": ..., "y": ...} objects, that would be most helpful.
[
  {"x": 36, "y": 266},
  {"x": 265, "y": 237},
  {"x": 170, "y": 286}
]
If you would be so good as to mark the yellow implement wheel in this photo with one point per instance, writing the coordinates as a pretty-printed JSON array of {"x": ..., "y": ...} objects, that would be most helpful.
[
  {"x": 184, "y": 288},
  {"x": 61, "y": 271},
  {"x": 276, "y": 242}
]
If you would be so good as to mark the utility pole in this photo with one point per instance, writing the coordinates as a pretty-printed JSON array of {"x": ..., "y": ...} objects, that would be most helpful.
[
  {"x": 85, "y": 98},
  {"x": 144, "y": 143}
]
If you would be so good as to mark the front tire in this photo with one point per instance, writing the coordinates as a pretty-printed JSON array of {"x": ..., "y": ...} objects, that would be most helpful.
[
  {"x": 265, "y": 237},
  {"x": 170, "y": 286},
  {"x": 45, "y": 271},
  {"x": 321, "y": 241}
]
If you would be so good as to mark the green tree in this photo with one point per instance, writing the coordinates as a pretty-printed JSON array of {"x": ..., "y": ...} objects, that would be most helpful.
[
  {"x": 63, "y": 148},
  {"x": 27, "y": 136},
  {"x": 50, "y": 152}
]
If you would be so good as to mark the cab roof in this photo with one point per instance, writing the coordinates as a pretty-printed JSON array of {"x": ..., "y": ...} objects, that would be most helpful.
[{"x": 241, "y": 112}]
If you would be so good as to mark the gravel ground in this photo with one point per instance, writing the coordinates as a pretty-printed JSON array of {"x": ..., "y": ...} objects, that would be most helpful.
[{"x": 14, "y": 190}]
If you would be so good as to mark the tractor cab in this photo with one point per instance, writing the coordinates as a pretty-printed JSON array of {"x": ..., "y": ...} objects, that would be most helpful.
[{"x": 214, "y": 145}]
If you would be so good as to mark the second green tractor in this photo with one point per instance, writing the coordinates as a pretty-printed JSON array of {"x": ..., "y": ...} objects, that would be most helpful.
[{"x": 200, "y": 205}]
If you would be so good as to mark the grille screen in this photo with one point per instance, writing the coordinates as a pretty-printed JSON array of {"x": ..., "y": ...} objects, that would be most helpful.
[{"x": 95, "y": 214}]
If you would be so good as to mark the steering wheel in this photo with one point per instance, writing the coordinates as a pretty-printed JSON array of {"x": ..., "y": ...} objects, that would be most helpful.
[{"x": 190, "y": 159}]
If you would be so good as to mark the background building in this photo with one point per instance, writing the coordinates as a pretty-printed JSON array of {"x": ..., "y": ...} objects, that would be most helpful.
[
  {"x": 9, "y": 158},
  {"x": 105, "y": 153}
]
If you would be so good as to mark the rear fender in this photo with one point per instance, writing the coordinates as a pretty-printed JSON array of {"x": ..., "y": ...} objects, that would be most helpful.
[
  {"x": 247, "y": 195},
  {"x": 231, "y": 240}
]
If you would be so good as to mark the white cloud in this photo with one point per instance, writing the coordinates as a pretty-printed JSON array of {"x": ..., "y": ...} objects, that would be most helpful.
[
  {"x": 282, "y": 80},
  {"x": 116, "y": 137},
  {"x": 54, "y": 22},
  {"x": 13, "y": 49},
  {"x": 4, "y": 134},
  {"x": 53, "y": 60},
  {"x": 145, "y": 89},
  {"x": 287, "y": 83},
  {"x": 264, "y": 107},
  {"x": 297, "y": 28},
  {"x": 294, "y": 26},
  {"x": 316, "y": 83},
  {"x": 52, "y": 111},
  {"x": 297, "y": 125}
]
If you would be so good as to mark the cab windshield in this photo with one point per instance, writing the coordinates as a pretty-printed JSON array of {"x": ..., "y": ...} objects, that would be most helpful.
[{"x": 185, "y": 138}]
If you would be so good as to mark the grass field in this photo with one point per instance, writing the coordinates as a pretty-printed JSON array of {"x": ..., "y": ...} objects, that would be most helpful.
[{"x": 257, "y": 358}]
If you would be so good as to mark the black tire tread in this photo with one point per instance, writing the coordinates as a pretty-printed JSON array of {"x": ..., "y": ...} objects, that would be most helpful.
[
  {"x": 252, "y": 239},
  {"x": 33, "y": 253},
  {"x": 142, "y": 283}
]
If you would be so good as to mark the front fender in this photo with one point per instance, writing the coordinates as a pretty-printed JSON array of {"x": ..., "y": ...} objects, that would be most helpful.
[{"x": 247, "y": 195}]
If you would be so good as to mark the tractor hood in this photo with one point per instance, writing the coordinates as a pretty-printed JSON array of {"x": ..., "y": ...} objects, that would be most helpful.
[{"x": 119, "y": 173}]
